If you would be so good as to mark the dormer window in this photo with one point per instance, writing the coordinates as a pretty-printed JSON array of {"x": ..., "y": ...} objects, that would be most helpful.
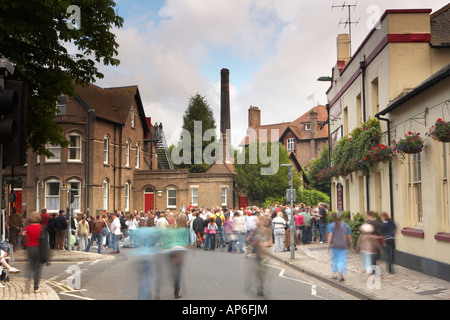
[{"x": 308, "y": 127}]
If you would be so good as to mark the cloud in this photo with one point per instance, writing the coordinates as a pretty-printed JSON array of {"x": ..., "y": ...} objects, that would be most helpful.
[{"x": 284, "y": 45}]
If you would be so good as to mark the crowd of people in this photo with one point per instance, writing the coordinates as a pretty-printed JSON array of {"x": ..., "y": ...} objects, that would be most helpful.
[{"x": 207, "y": 228}]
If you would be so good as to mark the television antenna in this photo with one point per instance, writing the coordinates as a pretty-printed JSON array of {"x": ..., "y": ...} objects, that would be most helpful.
[{"x": 349, "y": 21}]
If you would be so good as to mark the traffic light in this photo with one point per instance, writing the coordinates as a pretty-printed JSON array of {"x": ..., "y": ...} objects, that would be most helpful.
[
  {"x": 9, "y": 102},
  {"x": 14, "y": 151}
]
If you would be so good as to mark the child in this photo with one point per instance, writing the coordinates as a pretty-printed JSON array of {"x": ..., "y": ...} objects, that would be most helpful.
[
  {"x": 230, "y": 236},
  {"x": 212, "y": 229},
  {"x": 368, "y": 247}
]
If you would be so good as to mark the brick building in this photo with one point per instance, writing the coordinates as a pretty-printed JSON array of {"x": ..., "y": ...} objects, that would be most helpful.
[
  {"x": 303, "y": 138},
  {"x": 109, "y": 137},
  {"x": 113, "y": 162}
]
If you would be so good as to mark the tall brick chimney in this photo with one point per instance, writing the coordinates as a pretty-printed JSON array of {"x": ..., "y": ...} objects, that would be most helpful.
[
  {"x": 225, "y": 122},
  {"x": 225, "y": 101},
  {"x": 254, "y": 117}
]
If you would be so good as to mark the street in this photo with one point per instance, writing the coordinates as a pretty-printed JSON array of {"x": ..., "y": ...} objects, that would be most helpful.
[{"x": 206, "y": 275}]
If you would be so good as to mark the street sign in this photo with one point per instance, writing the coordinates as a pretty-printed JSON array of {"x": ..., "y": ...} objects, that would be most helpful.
[{"x": 291, "y": 193}]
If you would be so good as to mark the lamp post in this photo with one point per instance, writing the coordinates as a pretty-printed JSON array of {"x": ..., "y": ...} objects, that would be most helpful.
[{"x": 291, "y": 196}]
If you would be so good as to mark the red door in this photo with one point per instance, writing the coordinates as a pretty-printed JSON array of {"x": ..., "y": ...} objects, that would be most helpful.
[
  {"x": 243, "y": 202},
  {"x": 149, "y": 198},
  {"x": 18, "y": 202}
]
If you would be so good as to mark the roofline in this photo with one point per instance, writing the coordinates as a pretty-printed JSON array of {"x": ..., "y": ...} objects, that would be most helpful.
[{"x": 428, "y": 83}]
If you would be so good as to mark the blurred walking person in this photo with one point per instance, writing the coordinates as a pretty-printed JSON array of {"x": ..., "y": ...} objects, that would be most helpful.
[
  {"x": 339, "y": 242},
  {"x": 367, "y": 247},
  {"x": 33, "y": 233},
  {"x": 388, "y": 229}
]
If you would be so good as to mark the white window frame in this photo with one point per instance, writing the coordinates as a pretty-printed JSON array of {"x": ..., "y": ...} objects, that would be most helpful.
[
  {"x": 105, "y": 194},
  {"x": 76, "y": 205},
  {"x": 127, "y": 196},
  {"x": 106, "y": 150},
  {"x": 38, "y": 198},
  {"x": 307, "y": 127},
  {"x": 127, "y": 153},
  {"x": 224, "y": 196},
  {"x": 54, "y": 205},
  {"x": 76, "y": 148},
  {"x": 56, "y": 150},
  {"x": 138, "y": 155},
  {"x": 194, "y": 196},
  {"x": 290, "y": 145},
  {"x": 169, "y": 197}
]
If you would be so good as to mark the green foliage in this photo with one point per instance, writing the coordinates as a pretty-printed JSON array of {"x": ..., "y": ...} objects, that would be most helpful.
[
  {"x": 311, "y": 197},
  {"x": 198, "y": 110},
  {"x": 34, "y": 36},
  {"x": 314, "y": 167},
  {"x": 352, "y": 152},
  {"x": 308, "y": 197},
  {"x": 258, "y": 186}
]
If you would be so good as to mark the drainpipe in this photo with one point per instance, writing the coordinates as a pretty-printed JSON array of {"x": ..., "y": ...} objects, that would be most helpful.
[
  {"x": 391, "y": 197},
  {"x": 329, "y": 153},
  {"x": 362, "y": 66}
]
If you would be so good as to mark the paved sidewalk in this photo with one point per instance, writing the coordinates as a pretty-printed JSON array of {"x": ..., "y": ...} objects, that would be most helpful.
[
  {"x": 16, "y": 289},
  {"x": 404, "y": 284},
  {"x": 312, "y": 259}
]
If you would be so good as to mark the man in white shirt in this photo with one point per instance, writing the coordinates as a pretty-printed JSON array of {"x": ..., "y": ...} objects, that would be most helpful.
[{"x": 115, "y": 233}]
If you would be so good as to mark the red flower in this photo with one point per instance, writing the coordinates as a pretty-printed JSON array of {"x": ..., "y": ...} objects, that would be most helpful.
[
  {"x": 409, "y": 132},
  {"x": 364, "y": 158}
]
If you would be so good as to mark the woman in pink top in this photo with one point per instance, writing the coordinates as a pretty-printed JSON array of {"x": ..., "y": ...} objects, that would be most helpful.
[{"x": 299, "y": 222}]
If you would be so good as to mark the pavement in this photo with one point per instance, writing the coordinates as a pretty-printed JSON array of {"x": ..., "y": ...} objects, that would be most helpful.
[{"x": 311, "y": 259}]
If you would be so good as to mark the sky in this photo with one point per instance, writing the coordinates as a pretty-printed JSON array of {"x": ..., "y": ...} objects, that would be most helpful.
[{"x": 275, "y": 51}]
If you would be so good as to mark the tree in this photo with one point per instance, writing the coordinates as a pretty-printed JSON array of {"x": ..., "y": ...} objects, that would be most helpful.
[
  {"x": 34, "y": 36},
  {"x": 314, "y": 167},
  {"x": 198, "y": 113},
  {"x": 259, "y": 186}
]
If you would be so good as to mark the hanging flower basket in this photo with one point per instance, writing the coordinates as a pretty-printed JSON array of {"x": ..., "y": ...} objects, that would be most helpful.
[
  {"x": 440, "y": 131},
  {"x": 381, "y": 153},
  {"x": 410, "y": 144}
]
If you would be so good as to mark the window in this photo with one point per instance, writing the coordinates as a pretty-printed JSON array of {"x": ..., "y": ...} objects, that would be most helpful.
[
  {"x": 52, "y": 196},
  {"x": 132, "y": 117},
  {"x": 194, "y": 196},
  {"x": 415, "y": 188},
  {"x": 291, "y": 145},
  {"x": 75, "y": 147},
  {"x": 171, "y": 198},
  {"x": 224, "y": 196},
  {"x": 56, "y": 150},
  {"x": 127, "y": 196},
  {"x": 61, "y": 104},
  {"x": 38, "y": 198},
  {"x": 75, "y": 188},
  {"x": 105, "y": 194},
  {"x": 127, "y": 154},
  {"x": 308, "y": 127},
  {"x": 138, "y": 151},
  {"x": 105, "y": 150}
]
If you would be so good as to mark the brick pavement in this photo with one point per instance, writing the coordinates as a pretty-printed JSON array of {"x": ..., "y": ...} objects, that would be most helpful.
[{"x": 404, "y": 284}]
